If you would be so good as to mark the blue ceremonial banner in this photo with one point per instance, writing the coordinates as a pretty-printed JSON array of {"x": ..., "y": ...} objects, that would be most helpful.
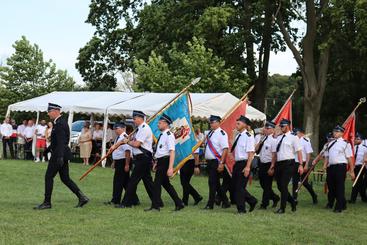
[{"x": 180, "y": 113}]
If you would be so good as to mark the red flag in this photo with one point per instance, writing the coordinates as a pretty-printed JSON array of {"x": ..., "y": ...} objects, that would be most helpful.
[
  {"x": 229, "y": 126},
  {"x": 285, "y": 112},
  {"x": 350, "y": 130}
]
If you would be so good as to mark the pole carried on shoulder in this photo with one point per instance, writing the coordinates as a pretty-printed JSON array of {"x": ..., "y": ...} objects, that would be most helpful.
[
  {"x": 184, "y": 90},
  {"x": 360, "y": 102}
]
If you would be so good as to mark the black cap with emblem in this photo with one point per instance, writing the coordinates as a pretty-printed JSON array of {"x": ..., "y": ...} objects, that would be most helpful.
[
  {"x": 338, "y": 128},
  {"x": 119, "y": 125},
  {"x": 52, "y": 106},
  {"x": 244, "y": 120},
  {"x": 269, "y": 125},
  {"x": 138, "y": 114},
  {"x": 165, "y": 118},
  {"x": 214, "y": 118},
  {"x": 284, "y": 122}
]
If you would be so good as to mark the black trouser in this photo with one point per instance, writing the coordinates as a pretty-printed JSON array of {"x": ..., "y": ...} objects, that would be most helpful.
[
  {"x": 186, "y": 173},
  {"x": 297, "y": 178},
  {"x": 283, "y": 175},
  {"x": 214, "y": 183},
  {"x": 360, "y": 185},
  {"x": 28, "y": 150},
  {"x": 240, "y": 182},
  {"x": 120, "y": 182},
  {"x": 335, "y": 179},
  {"x": 266, "y": 182},
  {"x": 8, "y": 142},
  {"x": 227, "y": 186},
  {"x": 52, "y": 169},
  {"x": 141, "y": 171},
  {"x": 161, "y": 179}
]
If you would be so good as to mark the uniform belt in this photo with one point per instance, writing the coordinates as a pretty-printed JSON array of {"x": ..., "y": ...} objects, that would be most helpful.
[
  {"x": 264, "y": 163},
  {"x": 286, "y": 161},
  {"x": 162, "y": 158},
  {"x": 241, "y": 161},
  {"x": 340, "y": 163}
]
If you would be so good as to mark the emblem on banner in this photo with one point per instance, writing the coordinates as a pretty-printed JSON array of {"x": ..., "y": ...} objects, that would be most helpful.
[{"x": 181, "y": 129}]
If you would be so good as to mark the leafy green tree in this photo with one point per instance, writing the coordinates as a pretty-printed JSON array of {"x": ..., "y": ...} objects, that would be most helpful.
[
  {"x": 159, "y": 75},
  {"x": 27, "y": 75}
]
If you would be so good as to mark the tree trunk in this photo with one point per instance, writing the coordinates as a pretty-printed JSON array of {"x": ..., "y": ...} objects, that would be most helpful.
[{"x": 261, "y": 84}]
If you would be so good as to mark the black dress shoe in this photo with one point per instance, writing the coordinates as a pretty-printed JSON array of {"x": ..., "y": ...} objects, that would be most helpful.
[
  {"x": 252, "y": 206},
  {"x": 275, "y": 202},
  {"x": 218, "y": 201},
  {"x": 178, "y": 208},
  {"x": 198, "y": 201},
  {"x": 262, "y": 207},
  {"x": 110, "y": 203},
  {"x": 329, "y": 206},
  {"x": 43, "y": 206},
  {"x": 122, "y": 206},
  {"x": 207, "y": 207},
  {"x": 136, "y": 204},
  {"x": 280, "y": 211},
  {"x": 83, "y": 199},
  {"x": 294, "y": 207},
  {"x": 152, "y": 209},
  {"x": 226, "y": 205},
  {"x": 337, "y": 210}
]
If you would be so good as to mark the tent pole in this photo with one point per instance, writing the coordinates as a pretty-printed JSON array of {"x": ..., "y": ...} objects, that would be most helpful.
[
  {"x": 104, "y": 148},
  {"x": 70, "y": 121}
]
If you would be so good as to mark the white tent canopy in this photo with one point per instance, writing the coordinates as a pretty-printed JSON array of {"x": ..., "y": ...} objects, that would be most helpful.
[{"x": 121, "y": 103}]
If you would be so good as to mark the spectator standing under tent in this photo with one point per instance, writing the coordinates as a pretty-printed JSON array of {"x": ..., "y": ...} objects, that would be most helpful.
[
  {"x": 97, "y": 140},
  {"x": 13, "y": 138},
  {"x": 50, "y": 125},
  {"x": 6, "y": 131},
  {"x": 40, "y": 132},
  {"x": 28, "y": 136},
  {"x": 21, "y": 140},
  {"x": 85, "y": 143}
]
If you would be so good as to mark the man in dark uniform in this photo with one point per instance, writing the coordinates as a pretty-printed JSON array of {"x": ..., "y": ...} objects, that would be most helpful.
[{"x": 60, "y": 157}]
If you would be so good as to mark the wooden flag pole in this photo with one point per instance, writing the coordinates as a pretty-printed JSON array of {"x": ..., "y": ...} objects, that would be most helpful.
[
  {"x": 193, "y": 82},
  {"x": 285, "y": 103},
  {"x": 359, "y": 174}
]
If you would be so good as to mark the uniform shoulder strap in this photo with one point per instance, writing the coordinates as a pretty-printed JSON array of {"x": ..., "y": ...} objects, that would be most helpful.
[{"x": 222, "y": 131}]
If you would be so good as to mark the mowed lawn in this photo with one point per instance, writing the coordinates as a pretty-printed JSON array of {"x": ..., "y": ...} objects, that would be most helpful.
[{"x": 22, "y": 185}]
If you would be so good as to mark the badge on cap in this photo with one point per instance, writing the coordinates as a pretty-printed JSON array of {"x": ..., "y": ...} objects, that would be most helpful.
[
  {"x": 284, "y": 122},
  {"x": 52, "y": 107},
  {"x": 138, "y": 114},
  {"x": 165, "y": 118}
]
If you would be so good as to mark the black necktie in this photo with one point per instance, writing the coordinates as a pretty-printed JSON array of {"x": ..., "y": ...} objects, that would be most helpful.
[
  {"x": 261, "y": 145},
  {"x": 355, "y": 156},
  {"x": 235, "y": 143},
  {"x": 280, "y": 143},
  {"x": 156, "y": 146}
]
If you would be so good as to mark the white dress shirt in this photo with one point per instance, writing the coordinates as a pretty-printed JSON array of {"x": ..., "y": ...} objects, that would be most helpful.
[
  {"x": 306, "y": 148},
  {"x": 6, "y": 130},
  {"x": 28, "y": 132},
  {"x": 98, "y": 134},
  {"x": 266, "y": 154},
  {"x": 120, "y": 151},
  {"x": 338, "y": 151},
  {"x": 165, "y": 144},
  {"x": 219, "y": 140},
  {"x": 20, "y": 129},
  {"x": 41, "y": 131},
  {"x": 245, "y": 144},
  {"x": 288, "y": 148},
  {"x": 144, "y": 135},
  {"x": 360, "y": 152}
]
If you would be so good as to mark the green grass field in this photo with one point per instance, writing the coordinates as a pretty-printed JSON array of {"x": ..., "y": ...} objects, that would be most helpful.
[{"x": 22, "y": 187}]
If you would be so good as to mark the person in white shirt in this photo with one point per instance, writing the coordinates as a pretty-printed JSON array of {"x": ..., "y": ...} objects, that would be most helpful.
[
  {"x": 216, "y": 151},
  {"x": 40, "y": 132},
  {"x": 28, "y": 134},
  {"x": 142, "y": 149},
  {"x": 165, "y": 158},
  {"x": 110, "y": 135},
  {"x": 121, "y": 163},
  {"x": 282, "y": 164},
  {"x": 263, "y": 148},
  {"x": 360, "y": 156},
  {"x": 243, "y": 150},
  {"x": 337, "y": 156},
  {"x": 306, "y": 156},
  {"x": 6, "y": 131},
  {"x": 20, "y": 138}
]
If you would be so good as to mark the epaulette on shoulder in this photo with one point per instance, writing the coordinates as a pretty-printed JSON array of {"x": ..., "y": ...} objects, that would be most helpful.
[
  {"x": 143, "y": 126},
  {"x": 168, "y": 132},
  {"x": 248, "y": 134},
  {"x": 222, "y": 131},
  {"x": 306, "y": 139},
  {"x": 365, "y": 146}
]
